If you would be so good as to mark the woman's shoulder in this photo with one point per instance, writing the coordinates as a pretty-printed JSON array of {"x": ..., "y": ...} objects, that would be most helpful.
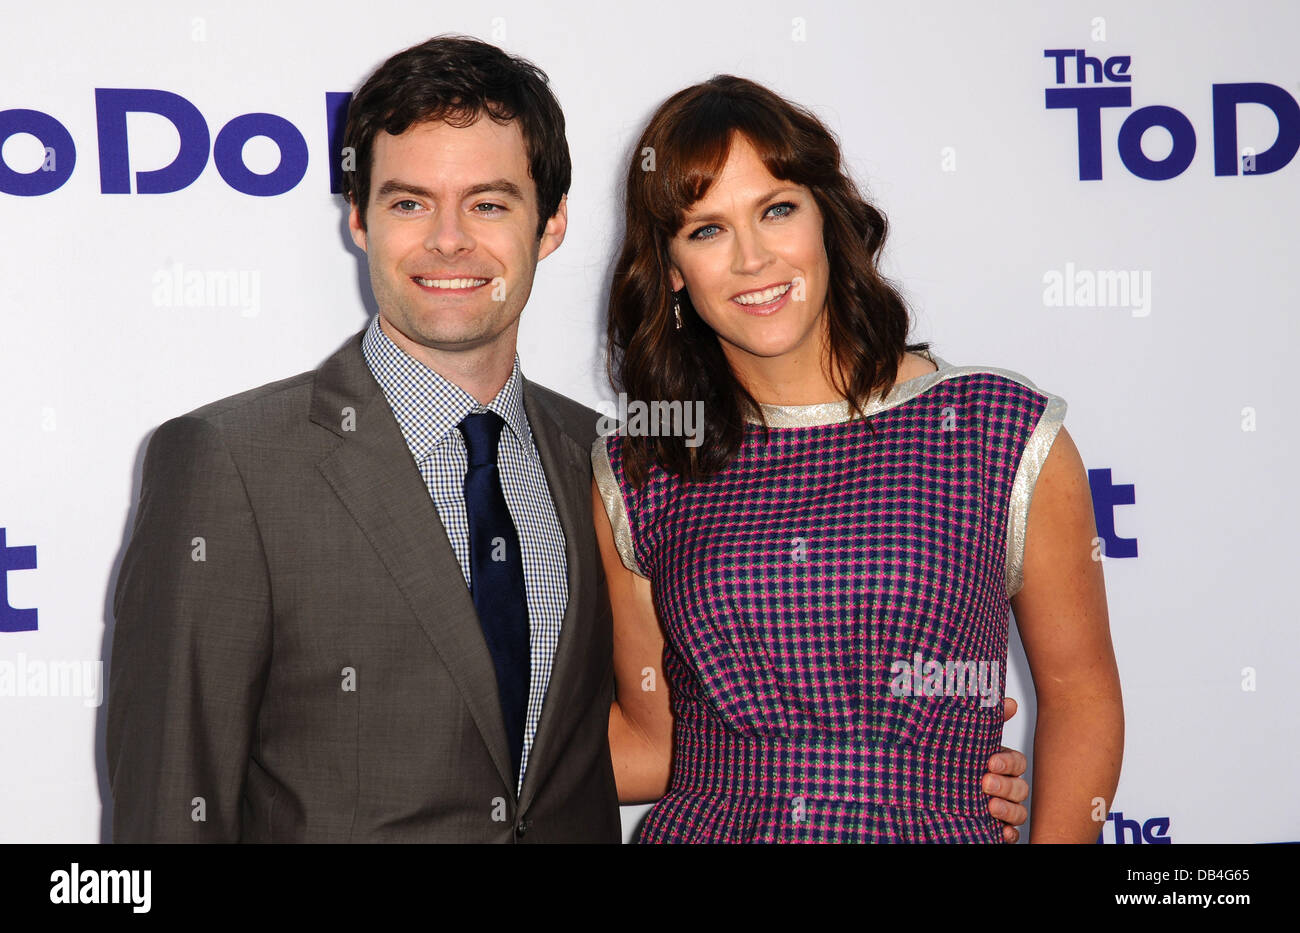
[
  {"x": 914, "y": 365},
  {"x": 1006, "y": 401},
  {"x": 931, "y": 369}
]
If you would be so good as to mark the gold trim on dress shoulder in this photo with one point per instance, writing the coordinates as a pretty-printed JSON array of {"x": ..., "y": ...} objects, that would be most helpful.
[
  {"x": 1022, "y": 490},
  {"x": 615, "y": 508}
]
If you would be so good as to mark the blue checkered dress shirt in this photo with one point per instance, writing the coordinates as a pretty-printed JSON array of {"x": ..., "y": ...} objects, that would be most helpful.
[{"x": 428, "y": 409}]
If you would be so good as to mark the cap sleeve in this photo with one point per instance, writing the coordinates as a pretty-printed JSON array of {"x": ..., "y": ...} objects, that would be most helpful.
[
  {"x": 1022, "y": 489},
  {"x": 612, "y": 496}
]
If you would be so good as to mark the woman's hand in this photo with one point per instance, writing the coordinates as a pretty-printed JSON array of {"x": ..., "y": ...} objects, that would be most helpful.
[{"x": 1004, "y": 784}]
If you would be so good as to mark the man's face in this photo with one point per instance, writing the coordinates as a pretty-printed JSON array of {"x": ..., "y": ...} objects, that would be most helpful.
[{"x": 451, "y": 234}]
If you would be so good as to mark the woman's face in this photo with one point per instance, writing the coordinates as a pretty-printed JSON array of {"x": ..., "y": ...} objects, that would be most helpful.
[{"x": 751, "y": 256}]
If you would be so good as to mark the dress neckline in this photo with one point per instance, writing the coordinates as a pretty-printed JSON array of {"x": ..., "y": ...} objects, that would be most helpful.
[{"x": 823, "y": 413}]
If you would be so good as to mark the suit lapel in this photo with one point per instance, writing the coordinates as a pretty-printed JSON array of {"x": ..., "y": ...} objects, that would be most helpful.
[
  {"x": 372, "y": 472},
  {"x": 567, "y": 470}
]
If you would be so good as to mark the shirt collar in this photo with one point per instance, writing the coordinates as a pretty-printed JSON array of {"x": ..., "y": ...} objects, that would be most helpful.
[{"x": 428, "y": 406}]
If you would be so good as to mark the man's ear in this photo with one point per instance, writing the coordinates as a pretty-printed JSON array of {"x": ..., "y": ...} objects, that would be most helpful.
[
  {"x": 358, "y": 231},
  {"x": 553, "y": 234}
]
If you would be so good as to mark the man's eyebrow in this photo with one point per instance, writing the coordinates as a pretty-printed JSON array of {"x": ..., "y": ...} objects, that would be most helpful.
[
  {"x": 499, "y": 185},
  {"x": 393, "y": 186},
  {"x": 690, "y": 218}
]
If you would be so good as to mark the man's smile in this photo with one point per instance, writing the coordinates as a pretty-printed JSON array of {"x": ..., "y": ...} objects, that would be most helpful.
[{"x": 448, "y": 284}]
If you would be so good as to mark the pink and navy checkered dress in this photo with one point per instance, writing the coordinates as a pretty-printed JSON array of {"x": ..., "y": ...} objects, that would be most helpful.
[{"x": 801, "y": 587}]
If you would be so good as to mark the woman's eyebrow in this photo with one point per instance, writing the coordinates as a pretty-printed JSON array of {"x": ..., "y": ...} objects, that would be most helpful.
[{"x": 699, "y": 218}]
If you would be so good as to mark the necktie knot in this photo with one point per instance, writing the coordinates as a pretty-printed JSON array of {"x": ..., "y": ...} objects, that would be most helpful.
[{"x": 482, "y": 431}]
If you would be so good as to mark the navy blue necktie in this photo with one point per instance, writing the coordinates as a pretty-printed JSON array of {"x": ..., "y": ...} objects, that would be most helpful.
[{"x": 497, "y": 575}]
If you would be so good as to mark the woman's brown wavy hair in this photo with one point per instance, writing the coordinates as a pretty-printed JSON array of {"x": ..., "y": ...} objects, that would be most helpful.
[{"x": 680, "y": 154}]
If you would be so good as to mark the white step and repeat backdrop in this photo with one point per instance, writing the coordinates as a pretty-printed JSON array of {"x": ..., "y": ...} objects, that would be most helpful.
[{"x": 1101, "y": 196}]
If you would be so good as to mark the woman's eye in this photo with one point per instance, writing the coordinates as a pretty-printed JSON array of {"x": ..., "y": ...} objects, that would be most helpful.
[
  {"x": 703, "y": 234},
  {"x": 784, "y": 209}
]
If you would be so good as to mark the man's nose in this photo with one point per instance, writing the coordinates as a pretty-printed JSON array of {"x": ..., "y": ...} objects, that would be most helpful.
[{"x": 448, "y": 234}]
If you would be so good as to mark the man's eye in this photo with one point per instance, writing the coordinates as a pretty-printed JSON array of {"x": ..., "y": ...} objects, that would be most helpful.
[
  {"x": 703, "y": 234},
  {"x": 402, "y": 205},
  {"x": 488, "y": 208}
]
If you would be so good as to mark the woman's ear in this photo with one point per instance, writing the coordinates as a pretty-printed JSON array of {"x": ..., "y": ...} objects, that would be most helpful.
[{"x": 675, "y": 279}]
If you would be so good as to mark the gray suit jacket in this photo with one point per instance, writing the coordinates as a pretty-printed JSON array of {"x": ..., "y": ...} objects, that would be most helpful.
[{"x": 296, "y": 656}]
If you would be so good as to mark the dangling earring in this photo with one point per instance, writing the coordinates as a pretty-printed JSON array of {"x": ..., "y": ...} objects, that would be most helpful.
[{"x": 677, "y": 311}]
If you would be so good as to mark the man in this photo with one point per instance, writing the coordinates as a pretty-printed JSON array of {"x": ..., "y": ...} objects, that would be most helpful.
[{"x": 365, "y": 603}]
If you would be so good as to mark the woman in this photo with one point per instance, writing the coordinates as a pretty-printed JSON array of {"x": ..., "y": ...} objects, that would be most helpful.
[{"x": 825, "y": 571}]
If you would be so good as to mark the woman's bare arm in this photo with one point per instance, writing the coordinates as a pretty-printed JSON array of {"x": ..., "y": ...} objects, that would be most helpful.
[
  {"x": 1065, "y": 628},
  {"x": 640, "y": 719}
]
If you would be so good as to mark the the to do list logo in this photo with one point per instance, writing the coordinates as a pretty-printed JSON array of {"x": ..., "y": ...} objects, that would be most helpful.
[{"x": 1090, "y": 83}]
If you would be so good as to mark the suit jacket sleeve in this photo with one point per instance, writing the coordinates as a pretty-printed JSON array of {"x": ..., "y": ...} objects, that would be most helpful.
[{"x": 191, "y": 647}]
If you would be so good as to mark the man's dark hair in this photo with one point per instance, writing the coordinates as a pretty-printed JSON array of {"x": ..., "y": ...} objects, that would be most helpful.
[{"x": 457, "y": 79}]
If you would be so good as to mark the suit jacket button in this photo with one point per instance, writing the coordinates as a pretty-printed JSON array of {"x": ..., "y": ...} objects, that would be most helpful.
[{"x": 520, "y": 828}]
